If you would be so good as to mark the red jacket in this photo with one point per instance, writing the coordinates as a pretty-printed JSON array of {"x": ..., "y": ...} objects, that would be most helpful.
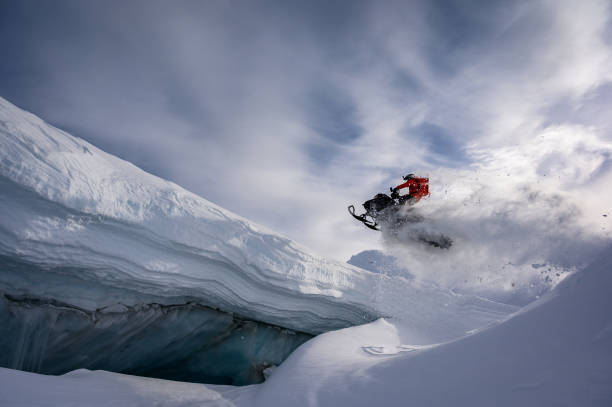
[{"x": 417, "y": 187}]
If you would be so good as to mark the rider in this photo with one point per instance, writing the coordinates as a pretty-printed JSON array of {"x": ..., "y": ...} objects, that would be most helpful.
[{"x": 417, "y": 187}]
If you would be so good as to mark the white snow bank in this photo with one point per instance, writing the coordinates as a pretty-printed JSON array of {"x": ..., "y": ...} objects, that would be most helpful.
[
  {"x": 100, "y": 388},
  {"x": 67, "y": 204},
  {"x": 90, "y": 230},
  {"x": 557, "y": 351}
]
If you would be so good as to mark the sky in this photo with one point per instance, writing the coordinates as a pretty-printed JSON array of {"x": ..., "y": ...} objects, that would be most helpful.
[{"x": 286, "y": 112}]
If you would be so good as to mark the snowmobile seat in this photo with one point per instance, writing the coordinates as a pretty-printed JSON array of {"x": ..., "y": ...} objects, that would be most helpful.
[{"x": 378, "y": 203}]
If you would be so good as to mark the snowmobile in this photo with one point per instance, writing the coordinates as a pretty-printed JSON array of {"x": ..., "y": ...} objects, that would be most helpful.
[
  {"x": 380, "y": 209},
  {"x": 395, "y": 210}
]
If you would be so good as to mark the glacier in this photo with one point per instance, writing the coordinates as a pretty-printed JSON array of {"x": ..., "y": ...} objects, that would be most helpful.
[
  {"x": 557, "y": 351},
  {"x": 185, "y": 342},
  {"x": 140, "y": 236},
  {"x": 104, "y": 266}
]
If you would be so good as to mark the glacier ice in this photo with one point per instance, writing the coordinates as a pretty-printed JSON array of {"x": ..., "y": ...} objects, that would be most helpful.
[
  {"x": 555, "y": 352},
  {"x": 107, "y": 267},
  {"x": 123, "y": 230},
  {"x": 104, "y": 266},
  {"x": 186, "y": 342}
]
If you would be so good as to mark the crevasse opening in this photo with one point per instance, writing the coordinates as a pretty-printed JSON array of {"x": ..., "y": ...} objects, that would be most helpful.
[{"x": 186, "y": 342}]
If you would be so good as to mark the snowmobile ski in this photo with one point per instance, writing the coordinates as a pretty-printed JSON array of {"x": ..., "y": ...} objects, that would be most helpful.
[{"x": 362, "y": 218}]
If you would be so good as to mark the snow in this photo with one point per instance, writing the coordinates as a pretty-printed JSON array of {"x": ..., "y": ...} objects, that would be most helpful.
[
  {"x": 558, "y": 351},
  {"x": 147, "y": 239},
  {"x": 95, "y": 251},
  {"x": 99, "y": 388}
]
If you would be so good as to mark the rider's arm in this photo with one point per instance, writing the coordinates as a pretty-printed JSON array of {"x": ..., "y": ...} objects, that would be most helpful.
[{"x": 406, "y": 184}]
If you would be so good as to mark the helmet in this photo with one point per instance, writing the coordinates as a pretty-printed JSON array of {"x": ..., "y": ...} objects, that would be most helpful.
[{"x": 407, "y": 177}]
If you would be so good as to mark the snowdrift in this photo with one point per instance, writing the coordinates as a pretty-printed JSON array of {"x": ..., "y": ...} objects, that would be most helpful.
[
  {"x": 72, "y": 211},
  {"x": 558, "y": 351},
  {"x": 104, "y": 266}
]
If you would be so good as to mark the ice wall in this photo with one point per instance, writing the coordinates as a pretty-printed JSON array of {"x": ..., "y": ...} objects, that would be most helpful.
[{"x": 186, "y": 342}]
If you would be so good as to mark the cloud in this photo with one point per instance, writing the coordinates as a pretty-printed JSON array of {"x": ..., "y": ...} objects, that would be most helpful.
[
  {"x": 286, "y": 113},
  {"x": 520, "y": 218}
]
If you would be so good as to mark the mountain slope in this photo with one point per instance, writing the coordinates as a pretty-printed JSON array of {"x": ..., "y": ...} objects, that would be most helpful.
[{"x": 557, "y": 351}]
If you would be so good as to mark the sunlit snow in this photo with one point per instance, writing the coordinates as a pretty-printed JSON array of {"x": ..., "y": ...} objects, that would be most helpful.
[{"x": 103, "y": 266}]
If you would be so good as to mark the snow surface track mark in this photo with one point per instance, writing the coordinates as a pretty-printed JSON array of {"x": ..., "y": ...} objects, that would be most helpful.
[{"x": 392, "y": 350}]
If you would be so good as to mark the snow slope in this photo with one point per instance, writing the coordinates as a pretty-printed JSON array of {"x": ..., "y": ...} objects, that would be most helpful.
[
  {"x": 145, "y": 239},
  {"x": 104, "y": 266},
  {"x": 83, "y": 232},
  {"x": 90, "y": 230},
  {"x": 556, "y": 352},
  {"x": 86, "y": 388}
]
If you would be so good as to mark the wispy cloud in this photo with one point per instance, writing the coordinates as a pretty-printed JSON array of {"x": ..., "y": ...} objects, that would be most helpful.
[
  {"x": 521, "y": 218},
  {"x": 286, "y": 113}
]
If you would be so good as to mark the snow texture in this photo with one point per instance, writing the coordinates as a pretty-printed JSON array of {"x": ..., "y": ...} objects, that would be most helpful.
[
  {"x": 522, "y": 217},
  {"x": 179, "y": 342},
  {"x": 103, "y": 266},
  {"x": 93, "y": 247},
  {"x": 130, "y": 237},
  {"x": 557, "y": 351}
]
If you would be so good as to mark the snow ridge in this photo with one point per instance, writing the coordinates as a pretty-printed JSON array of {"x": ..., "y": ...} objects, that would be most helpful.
[{"x": 129, "y": 235}]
